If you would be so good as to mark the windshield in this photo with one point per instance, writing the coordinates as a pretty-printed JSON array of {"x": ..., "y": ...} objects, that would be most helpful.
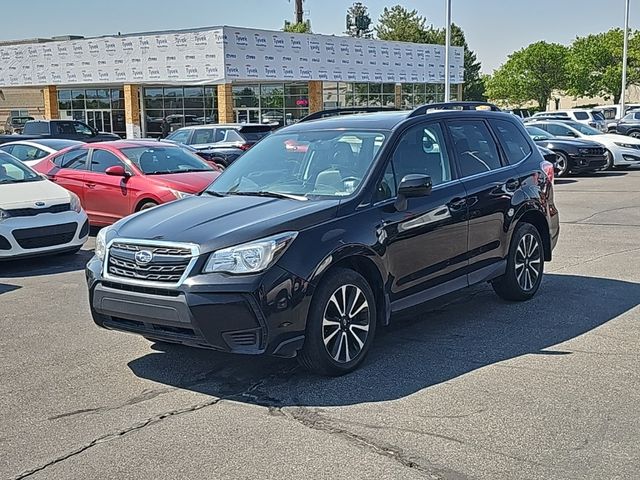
[
  {"x": 164, "y": 159},
  {"x": 584, "y": 129},
  {"x": 13, "y": 170},
  {"x": 538, "y": 134},
  {"x": 309, "y": 164}
]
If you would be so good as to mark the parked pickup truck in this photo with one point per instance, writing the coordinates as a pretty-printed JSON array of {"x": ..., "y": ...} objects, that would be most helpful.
[{"x": 68, "y": 129}]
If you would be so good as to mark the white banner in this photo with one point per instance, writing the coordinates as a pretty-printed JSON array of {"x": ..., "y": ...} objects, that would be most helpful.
[{"x": 224, "y": 55}]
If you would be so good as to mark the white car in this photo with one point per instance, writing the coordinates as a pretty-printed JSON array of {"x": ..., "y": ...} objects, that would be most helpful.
[
  {"x": 30, "y": 152},
  {"x": 589, "y": 117},
  {"x": 622, "y": 151},
  {"x": 37, "y": 217}
]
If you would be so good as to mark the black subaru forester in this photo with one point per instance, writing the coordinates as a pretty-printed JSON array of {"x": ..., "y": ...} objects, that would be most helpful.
[{"x": 318, "y": 234}]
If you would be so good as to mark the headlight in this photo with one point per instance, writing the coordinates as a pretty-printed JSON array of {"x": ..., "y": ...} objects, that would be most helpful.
[
  {"x": 626, "y": 145},
  {"x": 101, "y": 242},
  {"x": 252, "y": 257},
  {"x": 180, "y": 195},
  {"x": 75, "y": 202}
]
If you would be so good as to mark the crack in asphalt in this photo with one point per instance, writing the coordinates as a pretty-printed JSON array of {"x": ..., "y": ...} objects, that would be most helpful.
[
  {"x": 313, "y": 420},
  {"x": 609, "y": 210},
  {"x": 246, "y": 392},
  {"x": 594, "y": 259}
]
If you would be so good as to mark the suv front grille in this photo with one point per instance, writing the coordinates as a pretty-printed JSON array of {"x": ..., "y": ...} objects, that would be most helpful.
[
  {"x": 594, "y": 151},
  {"x": 168, "y": 264}
]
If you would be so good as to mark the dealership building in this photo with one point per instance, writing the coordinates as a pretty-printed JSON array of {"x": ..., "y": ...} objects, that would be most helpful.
[{"x": 127, "y": 84}]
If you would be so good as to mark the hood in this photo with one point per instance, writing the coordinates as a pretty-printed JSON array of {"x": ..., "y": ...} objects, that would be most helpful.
[
  {"x": 614, "y": 137},
  {"x": 26, "y": 194},
  {"x": 192, "y": 182},
  {"x": 218, "y": 222},
  {"x": 578, "y": 143}
]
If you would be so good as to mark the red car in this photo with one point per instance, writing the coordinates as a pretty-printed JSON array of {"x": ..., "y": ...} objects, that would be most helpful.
[{"x": 115, "y": 179}]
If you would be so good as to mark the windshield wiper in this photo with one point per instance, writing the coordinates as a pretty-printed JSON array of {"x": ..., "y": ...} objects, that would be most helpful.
[
  {"x": 264, "y": 193},
  {"x": 213, "y": 194}
]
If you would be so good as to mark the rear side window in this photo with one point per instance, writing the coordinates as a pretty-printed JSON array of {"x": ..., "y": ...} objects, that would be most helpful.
[
  {"x": 512, "y": 140},
  {"x": 74, "y": 160},
  {"x": 637, "y": 116},
  {"x": 202, "y": 135},
  {"x": 36, "y": 128},
  {"x": 581, "y": 115},
  {"x": 474, "y": 147}
]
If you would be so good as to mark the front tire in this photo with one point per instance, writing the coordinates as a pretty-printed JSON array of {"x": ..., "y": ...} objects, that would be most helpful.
[
  {"x": 147, "y": 205},
  {"x": 562, "y": 164},
  {"x": 609, "y": 164},
  {"x": 635, "y": 134},
  {"x": 341, "y": 324},
  {"x": 525, "y": 265}
]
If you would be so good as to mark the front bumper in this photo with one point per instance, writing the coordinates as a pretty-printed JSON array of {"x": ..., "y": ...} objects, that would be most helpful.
[
  {"x": 260, "y": 314},
  {"x": 584, "y": 163},
  {"x": 626, "y": 156},
  {"x": 43, "y": 234}
]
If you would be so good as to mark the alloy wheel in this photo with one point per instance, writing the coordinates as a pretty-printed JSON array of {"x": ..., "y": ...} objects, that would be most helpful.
[
  {"x": 562, "y": 164},
  {"x": 528, "y": 262},
  {"x": 345, "y": 323}
]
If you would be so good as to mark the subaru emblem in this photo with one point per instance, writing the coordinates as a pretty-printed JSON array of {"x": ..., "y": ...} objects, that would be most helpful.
[{"x": 143, "y": 257}]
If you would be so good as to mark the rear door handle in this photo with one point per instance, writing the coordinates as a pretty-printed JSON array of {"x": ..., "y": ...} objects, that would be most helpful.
[
  {"x": 457, "y": 203},
  {"x": 512, "y": 184}
]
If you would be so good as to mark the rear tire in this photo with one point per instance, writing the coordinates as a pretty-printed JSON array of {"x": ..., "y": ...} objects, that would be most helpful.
[
  {"x": 634, "y": 134},
  {"x": 147, "y": 205},
  {"x": 525, "y": 265},
  {"x": 341, "y": 324}
]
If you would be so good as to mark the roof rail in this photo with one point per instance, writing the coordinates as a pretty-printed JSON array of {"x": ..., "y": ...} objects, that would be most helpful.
[
  {"x": 334, "y": 112},
  {"x": 423, "y": 109}
]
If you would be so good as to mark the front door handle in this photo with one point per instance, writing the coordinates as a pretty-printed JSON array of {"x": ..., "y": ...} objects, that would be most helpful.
[
  {"x": 90, "y": 185},
  {"x": 457, "y": 203},
  {"x": 512, "y": 185}
]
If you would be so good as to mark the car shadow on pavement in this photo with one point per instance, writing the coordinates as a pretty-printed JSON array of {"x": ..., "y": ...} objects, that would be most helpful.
[
  {"x": 6, "y": 288},
  {"x": 40, "y": 266},
  {"x": 431, "y": 345},
  {"x": 564, "y": 181}
]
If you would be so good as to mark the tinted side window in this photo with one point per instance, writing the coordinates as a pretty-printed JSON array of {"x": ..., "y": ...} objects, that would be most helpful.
[
  {"x": 637, "y": 116},
  {"x": 63, "y": 128},
  {"x": 82, "y": 129},
  {"x": 512, "y": 140},
  {"x": 581, "y": 115},
  {"x": 101, "y": 160},
  {"x": 202, "y": 135},
  {"x": 181, "y": 136},
  {"x": 422, "y": 151},
  {"x": 75, "y": 160},
  {"x": 27, "y": 152},
  {"x": 474, "y": 146},
  {"x": 559, "y": 130}
]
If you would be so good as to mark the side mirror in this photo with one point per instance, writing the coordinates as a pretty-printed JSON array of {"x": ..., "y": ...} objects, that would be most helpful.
[
  {"x": 412, "y": 186},
  {"x": 116, "y": 171}
]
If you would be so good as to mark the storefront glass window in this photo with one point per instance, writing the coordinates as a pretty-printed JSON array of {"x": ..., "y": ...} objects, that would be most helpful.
[
  {"x": 102, "y": 108},
  {"x": 180, "y": 106},
  {"x": 279, "y": 103}
]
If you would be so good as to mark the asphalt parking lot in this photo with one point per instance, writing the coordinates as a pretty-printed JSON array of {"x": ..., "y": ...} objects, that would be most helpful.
[{"x": 467, "y": 387}]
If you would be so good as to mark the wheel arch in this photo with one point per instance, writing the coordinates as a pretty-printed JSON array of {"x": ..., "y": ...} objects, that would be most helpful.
[
  {"x": 144, "y": 200},
  {"x": 368, "y": 264},
  {"x": 535, "y": 217}
]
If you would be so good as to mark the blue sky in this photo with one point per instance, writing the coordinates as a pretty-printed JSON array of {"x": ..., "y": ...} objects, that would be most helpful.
[{"x": 494, "y": 28}]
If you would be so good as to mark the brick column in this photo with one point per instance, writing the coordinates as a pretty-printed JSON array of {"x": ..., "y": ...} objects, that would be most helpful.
[
  {"x": 316, "y": 102},
  {"x": 398, "y": 92},
  {"x": 226, "y": 113},
  {"x": 50, "y": 94},
  {"x": 132, "y": 110}
]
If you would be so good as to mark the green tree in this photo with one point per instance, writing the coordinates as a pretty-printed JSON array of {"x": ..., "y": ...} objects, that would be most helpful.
[
  {"x": 359, "y": 21},
  {"x": 304, "y": 27},
  {"x": 473, "y": 84},
  {"x": 532, "y": 73},
  {"x": 398, "y": 23},
  {"x": 595, "y": 64}
]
